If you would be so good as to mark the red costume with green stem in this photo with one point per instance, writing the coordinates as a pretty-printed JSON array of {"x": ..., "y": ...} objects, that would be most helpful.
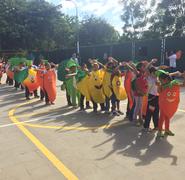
[{"x": 169, "y": 99}]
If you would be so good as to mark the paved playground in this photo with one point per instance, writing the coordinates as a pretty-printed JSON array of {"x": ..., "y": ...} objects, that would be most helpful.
[{"x": 59, "y": 142}]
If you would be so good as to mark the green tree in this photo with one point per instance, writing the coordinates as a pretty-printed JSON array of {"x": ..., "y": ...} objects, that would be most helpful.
[
  {"x": 135, "y": 18},
  {"x": 169, "y": 19},
  {"x": 95, "y": 30},
  {"x": 34, "y": 24}
]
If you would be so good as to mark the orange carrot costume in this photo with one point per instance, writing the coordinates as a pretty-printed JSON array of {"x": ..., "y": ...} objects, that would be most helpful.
[
  {"x": 40, "y": 76},
  {"x": 10, "y": 74},
  {"x": 144, "y": 105},
  {"x": 1, "y": 70},
  {"x": 49, "y": 84},
  {"x": 169, "y": 99},
  {"x": 128, "y": 88}
]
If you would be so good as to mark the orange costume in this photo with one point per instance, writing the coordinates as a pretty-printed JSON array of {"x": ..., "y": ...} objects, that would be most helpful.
[
  {"x": 128, "y": 88},
  {"x": 169, "y": 99},
  {"x": 1, "y": 70},
  {"x": 10, "y": 74},
  {"x": 40, "y": 76},
  {"x": 49, "y": 84}
]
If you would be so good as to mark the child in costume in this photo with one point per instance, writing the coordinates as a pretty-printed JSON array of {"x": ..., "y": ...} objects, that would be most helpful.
[
  {"x": 129, "y": 76},
  {"x": 71, "y": 82},
  {"x": 1, "y": 70},
  {"x": 96, "y": 86},
  {"x": 139, "y": 87},
  {"x": 30, "y": 83},
  {"x": 82, "y": 85},
  {"x": 49, "y": 84},
  {"x": 108, "y": 70},
  {"x": 40, "y": 78},
  {"x": 118, "y": 91},
  {"x": 19, "y": 75},
  {"x": 169, "y": 98},
  {"x": 153, "y": 98}
]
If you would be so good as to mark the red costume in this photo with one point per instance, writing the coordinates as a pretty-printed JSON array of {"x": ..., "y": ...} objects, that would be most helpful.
[
  {"x": 49, "y": 83},
  {"x": 169, "y": 99}
]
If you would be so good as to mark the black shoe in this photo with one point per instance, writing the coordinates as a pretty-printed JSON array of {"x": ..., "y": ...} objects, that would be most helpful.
[
  {"x": 28, "y": 98},
  {"x": 121, "y": 113},
  {"x": 36, "y": 96},
  {"x": 81, "y": 109},
  {"x": 95, "y": 110},
  {"x": 88, "y": 107}
]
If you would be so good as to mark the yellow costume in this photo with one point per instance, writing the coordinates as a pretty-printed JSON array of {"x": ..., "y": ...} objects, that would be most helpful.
[
  {"x": 31, "y": 81},
  {"x": 82, "y": 87},
  {"x": 95, "y": 86},
  {"x": 118, "y": 88},
  {"x": 107, "y": 84}
]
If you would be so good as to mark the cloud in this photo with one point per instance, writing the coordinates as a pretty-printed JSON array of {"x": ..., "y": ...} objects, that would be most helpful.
[
  {"x": 97, "y": 7},
  {"x": 108, "y": 9}
]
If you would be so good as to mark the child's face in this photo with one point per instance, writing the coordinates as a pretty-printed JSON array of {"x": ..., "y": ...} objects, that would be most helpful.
[
  {"x": 95, "y": 67},
  {"x": 48, "y": 67},
  {"x": 142, "y": 69},
  {"x": 84, "y": 66},
  {"x": 164, "y": 81}
]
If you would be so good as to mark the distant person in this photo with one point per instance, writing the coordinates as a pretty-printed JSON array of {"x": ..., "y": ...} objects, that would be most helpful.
[
  {"x": 74, "y": 57},
  {"x": 172, "y": 61}
]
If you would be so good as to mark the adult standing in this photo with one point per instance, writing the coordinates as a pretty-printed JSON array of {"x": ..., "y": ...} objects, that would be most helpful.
[{"x": 172, "y": 61}]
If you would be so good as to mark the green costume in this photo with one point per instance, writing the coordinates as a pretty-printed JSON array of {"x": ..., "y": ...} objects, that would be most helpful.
[
  {"x": 69, "y": 82},
  {"x": 19, "y": 76}
]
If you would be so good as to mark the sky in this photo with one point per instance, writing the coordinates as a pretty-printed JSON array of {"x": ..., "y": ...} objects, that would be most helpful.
[{"x": 110, "y": 10}]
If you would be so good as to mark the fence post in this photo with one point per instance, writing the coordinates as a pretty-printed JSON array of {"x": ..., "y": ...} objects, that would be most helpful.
[
  {"x": 111, "y": 49},
  {"x": 133, "y": 50},
  {"x": 163, "y": 50}
]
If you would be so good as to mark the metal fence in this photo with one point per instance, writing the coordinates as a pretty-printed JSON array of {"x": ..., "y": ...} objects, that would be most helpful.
[{"x": 136, "y": 51}]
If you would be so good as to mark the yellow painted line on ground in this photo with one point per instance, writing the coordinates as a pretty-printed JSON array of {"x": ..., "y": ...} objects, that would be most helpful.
[
  {"x": 68, "y": 128},
  {"x": 50, "y": 156},
  {"x": 38, "y": 113}
]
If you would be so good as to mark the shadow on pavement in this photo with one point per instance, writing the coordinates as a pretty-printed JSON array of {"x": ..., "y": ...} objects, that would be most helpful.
[{"x": 130, "y": 141}]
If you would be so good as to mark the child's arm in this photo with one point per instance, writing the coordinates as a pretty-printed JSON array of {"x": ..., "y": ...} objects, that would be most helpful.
[
  {"x": 162, "y": 67},
  {"x": 177, "y": 73},
  {"x": 183, "y": 84},
  {"x": 153, "y": 61},
  {"x": 111, "y": 59},
  {"x": 134, "y": 69},
  {"x": 87, "y": 71},
  {"x": 101, "y": 64},
  {"x": 70, "y": 75},
  {"x": 54, "y": 65}
]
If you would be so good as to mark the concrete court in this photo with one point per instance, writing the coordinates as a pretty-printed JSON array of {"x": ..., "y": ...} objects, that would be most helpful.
[{"x": 82, "y": 145}]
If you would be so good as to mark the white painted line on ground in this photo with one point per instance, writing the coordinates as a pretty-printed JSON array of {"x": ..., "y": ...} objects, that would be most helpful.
[{"x": 22, "y": 122}]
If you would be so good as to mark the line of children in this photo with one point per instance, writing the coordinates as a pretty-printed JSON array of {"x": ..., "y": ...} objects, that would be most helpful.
[{"x": 104, "y": 85}]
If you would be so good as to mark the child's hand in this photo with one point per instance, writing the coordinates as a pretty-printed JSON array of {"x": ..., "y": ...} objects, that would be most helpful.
[
  {"x": 90, "y": 60},
  {"x": 154, "y": 60},
  {"x": 183, "y": 74},
  {"x": 110, "y": 59},
  {"x": 123, "y": 63}
]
